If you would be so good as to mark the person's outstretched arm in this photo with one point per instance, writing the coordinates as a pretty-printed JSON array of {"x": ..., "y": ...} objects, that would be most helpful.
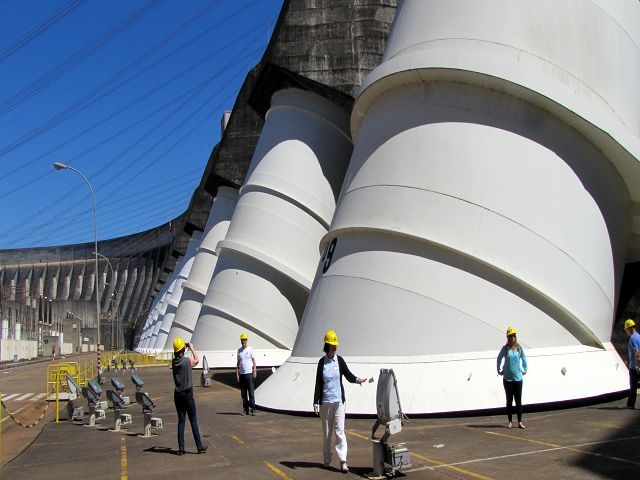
[{"x": 193, "y": 359}]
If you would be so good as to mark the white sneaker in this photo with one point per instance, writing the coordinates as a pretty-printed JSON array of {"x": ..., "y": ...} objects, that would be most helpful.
[{"x": 344, "y": 468}]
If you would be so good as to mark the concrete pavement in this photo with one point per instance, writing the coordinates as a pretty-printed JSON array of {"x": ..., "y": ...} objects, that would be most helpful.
[{"x": 592, "y": 442}]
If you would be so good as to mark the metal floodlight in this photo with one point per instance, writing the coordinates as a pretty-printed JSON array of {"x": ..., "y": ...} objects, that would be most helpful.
[
  {"x": 390, "y": 415},
  {"x": 74, "y": 389},
  {"x": 117, "y": 384},
  {"x": 116, "y": 400},
  {"x": 145, "y": 401},
  {"x": 137, "y": 381},
  {"x": 95, "y": 387}
]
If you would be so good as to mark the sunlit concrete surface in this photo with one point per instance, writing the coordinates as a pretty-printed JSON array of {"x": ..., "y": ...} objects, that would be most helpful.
[
  {"x": 158, "y": 305},
  {"x": 268, "y": 257},
  {"x": 178, "y": 292},
  {"x": 494, "y": 182},
  {"x": 196, "y": 285}
]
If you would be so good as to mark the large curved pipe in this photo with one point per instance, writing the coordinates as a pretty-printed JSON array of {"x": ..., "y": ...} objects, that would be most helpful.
[{"x": 491, "y": 182}]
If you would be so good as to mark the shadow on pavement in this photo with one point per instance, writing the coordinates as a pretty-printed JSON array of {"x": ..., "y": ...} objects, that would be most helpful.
[
  {"x": 165, "y": 450},
  {"x": 617, "y": 453}
]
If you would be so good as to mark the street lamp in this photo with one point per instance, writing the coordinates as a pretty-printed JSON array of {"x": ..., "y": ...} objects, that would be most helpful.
[
  {"x": 61, "y": 166},
  {"x": 113, "y": 280},
  {"x": 108, "y": 261}
]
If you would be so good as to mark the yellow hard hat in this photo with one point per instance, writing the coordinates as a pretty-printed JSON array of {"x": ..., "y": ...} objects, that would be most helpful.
[
  {"x": 629, "y": 323},
  {"x": 331, "y": 338},
  {"x": 511, "y": 331},
  {"x": 243, "y": 336},
  {"x": 178, "y": 344}
]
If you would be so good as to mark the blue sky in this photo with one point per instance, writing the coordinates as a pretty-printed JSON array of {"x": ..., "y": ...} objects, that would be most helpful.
[{"x": 130, "y": 92}]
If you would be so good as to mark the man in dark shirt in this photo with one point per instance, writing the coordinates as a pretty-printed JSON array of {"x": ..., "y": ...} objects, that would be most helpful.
[{"x": 183, "y": 394}]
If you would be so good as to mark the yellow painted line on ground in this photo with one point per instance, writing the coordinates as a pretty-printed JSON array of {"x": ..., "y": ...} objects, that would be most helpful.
[
  {"x": 228, "y": 386},
  {"x": 430, "y": 460},
  {"x": 579, "y": 448},
  {"x": 464, "y": 471},
  {"x": 238, "y": 439},
  {"x": 599, "y": 424},
  {"x": 538, "y": 442},
  {"x": 277, "y": 471},
  {"x": 123, "y": 460},
  {"x": 357, "y": 435}
]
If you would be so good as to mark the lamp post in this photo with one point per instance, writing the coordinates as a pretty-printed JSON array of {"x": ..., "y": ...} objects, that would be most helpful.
[
  {"x": 61, "y": 166},
  {"x": 112, "y": 300}
]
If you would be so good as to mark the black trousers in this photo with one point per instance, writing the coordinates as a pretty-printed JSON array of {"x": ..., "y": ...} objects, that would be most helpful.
[
  {"x": 633, "y": 387},
  {"x": 513, "y": 391}
]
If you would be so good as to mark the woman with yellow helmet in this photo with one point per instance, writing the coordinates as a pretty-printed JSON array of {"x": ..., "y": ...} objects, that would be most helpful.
[
  {"x": 515, "y": 366},
  {"x": 329, "y": 398}
]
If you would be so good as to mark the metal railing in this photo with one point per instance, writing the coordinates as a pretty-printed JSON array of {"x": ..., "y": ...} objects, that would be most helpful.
[
  {"x": 57, "y": 389},
  {"x": 128, "y": 361}
]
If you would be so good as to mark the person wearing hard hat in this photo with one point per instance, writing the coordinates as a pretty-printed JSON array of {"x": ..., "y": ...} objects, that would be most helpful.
[
  {"x": 245, "y": 374},
  {"x": 329, "y": 399},
  {"x": 515, "y": 366},
  {"x": 634, "y": 361},
  {"x": 183, "y": 394}
]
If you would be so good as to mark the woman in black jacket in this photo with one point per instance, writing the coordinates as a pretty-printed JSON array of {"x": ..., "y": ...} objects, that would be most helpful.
[{"x": 329, "y": 398}]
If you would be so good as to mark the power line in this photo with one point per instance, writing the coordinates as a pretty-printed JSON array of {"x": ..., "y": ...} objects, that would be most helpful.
[
  {"x": 127, "y": 149},
  {"x": 44, "y": 81},
  {"x": 128, "y": 127},
  {"x": 43, "y": 26},
  {"x": 106, "y": 211},
  {"x": 157, "y": 142},
  {"x": 83, "y": 102}
]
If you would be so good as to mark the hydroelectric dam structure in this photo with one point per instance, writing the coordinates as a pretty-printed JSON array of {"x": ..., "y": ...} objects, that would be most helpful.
[{"x": 418, "y": 176}]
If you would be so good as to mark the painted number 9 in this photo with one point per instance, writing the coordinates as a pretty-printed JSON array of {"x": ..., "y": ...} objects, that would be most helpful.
[{"x": 327, "y": 256}]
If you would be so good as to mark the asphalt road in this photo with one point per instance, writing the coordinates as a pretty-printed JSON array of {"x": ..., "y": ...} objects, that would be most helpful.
[{"x": 588, "y": 442}]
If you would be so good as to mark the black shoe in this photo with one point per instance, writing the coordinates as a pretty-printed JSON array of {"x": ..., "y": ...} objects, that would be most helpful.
[
  {"x": 181, "y": 452},
  {"x": 253, "y": 412},
  {"x": 203, "y": 449}
]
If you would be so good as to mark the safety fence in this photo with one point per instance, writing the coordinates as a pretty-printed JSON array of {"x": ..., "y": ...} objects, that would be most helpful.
[
  {"x": 57, "y": 386},
  {"x": 127, "y": 361}
]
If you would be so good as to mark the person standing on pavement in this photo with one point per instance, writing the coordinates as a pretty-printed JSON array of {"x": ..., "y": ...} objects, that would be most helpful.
[
  {"x": 183, "y": 395},
  {"x": 515, "y": 366},
  {"x": 634, "y": 361},
  {"x": 329, "y": 399},
  {"x": 245, "y": 374}
]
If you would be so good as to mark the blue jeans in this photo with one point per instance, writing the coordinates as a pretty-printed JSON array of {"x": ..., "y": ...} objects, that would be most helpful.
[
  {"x": 246, "y": 391},
  {"x": 186, "y": 405}
]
